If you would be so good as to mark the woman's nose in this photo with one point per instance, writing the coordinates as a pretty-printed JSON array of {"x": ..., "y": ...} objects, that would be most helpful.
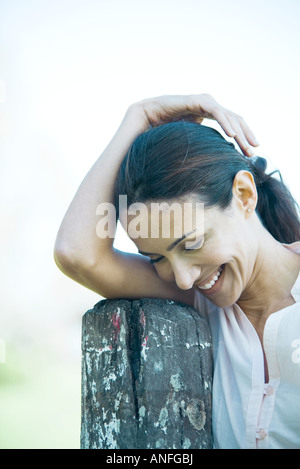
[{"x": 186, "y": 276}]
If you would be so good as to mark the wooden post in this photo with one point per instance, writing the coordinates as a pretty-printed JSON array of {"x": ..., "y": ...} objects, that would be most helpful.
[{"x": 146, "y": 376}]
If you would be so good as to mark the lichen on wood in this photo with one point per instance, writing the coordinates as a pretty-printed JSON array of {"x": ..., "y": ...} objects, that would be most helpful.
[{"x": 146, "y": 376}]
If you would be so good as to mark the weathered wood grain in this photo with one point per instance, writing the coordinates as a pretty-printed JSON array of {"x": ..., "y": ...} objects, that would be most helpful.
[{"x": 146, "y": 376}]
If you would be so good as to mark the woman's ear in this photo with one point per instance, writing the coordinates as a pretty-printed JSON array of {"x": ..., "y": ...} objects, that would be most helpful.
[{"x": 245, "y": 192}]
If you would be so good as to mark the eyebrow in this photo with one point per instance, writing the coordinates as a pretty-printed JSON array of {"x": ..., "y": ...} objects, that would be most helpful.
[
  {"x": 172, "y": 245},
  {"x": 177, "y": 241}
]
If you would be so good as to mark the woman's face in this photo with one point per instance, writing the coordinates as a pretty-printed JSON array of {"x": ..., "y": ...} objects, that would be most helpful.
[{"x": 215, "y": 254}]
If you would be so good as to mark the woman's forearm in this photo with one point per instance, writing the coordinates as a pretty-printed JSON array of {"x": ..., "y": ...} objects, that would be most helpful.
[{"x": 77, "y": 244}]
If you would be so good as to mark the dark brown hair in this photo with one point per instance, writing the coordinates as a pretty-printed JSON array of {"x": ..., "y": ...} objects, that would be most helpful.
[{"x": 181, "y": 158}]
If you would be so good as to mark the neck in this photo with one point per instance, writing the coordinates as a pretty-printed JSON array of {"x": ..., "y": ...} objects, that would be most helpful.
[{"x": 275, "y": 271}]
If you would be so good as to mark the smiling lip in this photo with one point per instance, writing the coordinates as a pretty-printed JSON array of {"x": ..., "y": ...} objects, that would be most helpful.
[{"x": 212, "y": 280}]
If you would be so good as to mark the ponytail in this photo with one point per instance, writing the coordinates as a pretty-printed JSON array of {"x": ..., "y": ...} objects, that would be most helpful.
[{"x": 277, "y": 209}]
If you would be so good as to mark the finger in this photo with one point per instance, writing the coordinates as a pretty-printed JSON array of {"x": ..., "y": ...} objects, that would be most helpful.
[
  {"x": 249, "y": 134},
  {"x": 244, "y": 136},
  {"x": 233, "y": 125},
  {"x": 243, "y": 143},
  {"x": 220, "y": 116}
]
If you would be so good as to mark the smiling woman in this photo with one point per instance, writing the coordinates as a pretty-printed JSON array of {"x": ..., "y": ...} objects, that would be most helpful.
[{"x": 235, "y": 263}]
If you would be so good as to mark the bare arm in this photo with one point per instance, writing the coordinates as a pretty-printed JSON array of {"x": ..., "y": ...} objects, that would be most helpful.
[{"x": 93, "y": 262}]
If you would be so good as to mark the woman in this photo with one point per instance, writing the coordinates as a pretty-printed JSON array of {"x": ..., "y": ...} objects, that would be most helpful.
[{"x": 238, "y": 265}]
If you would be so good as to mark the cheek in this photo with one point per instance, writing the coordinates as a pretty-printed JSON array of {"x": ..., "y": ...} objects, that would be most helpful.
[
  {"x": 217, "y": 256},
  {"x": 225, "y": 246}
]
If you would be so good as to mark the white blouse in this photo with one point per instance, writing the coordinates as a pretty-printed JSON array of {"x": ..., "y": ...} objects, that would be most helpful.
[{"x": 247, "y": 412}]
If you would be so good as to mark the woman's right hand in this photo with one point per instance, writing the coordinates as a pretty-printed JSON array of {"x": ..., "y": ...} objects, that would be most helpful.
[{"x": 163, "y": 109}]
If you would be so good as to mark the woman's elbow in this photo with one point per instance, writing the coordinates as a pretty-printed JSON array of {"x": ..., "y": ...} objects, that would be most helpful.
[
  {"x": 72, "y": 261},
  {"x": 67, "y": 258},
  {"x": 63, "y": 257}
]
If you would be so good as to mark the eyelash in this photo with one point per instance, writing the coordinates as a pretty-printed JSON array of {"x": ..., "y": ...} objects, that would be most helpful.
[
  {"x": 192, "y": 248},
  {"x": 153, "y": 261}
]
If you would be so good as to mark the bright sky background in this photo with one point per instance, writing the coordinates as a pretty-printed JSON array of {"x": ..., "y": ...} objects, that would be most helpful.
[{"x": 68, "y": 71}]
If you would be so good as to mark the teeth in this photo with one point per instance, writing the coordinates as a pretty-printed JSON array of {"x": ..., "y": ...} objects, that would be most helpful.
[{"x": 210, "y": 284}]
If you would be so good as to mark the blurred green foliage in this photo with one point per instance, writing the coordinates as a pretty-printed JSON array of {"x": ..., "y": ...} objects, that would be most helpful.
[{"x": 39, "y": 401}]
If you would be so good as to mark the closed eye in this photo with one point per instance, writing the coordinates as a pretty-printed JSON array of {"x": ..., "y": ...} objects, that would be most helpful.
[
  {"x": 194, "y": 244},
  {"x": 148, "y": 254},
  {"x": 153, "y": 261}
]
